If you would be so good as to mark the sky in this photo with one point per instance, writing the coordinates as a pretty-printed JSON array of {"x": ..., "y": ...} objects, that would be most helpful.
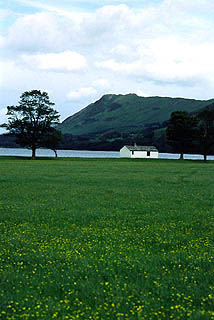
[{"x": 79, "y": 50}]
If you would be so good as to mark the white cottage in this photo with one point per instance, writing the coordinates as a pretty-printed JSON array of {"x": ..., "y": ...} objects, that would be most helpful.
[{"x": 139, "y": 152}]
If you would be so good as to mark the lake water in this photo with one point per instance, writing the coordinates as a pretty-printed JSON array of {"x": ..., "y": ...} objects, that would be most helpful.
[
  {"x": 87, "y": 154},
  {"x": 60, "y": 153}
]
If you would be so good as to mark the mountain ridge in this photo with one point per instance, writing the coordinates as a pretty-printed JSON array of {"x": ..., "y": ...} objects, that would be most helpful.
[{"x": 127, "y": 113}]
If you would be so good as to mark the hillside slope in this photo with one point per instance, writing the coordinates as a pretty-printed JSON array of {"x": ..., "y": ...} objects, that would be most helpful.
[{"x": 126, "y": 113}]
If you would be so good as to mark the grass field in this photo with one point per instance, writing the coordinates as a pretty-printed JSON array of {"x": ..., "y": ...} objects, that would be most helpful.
[{"x": 106, "y": 239}]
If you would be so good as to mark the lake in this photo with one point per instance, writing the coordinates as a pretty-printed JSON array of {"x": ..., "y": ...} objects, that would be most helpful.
[{"x": 87, "y": 154}]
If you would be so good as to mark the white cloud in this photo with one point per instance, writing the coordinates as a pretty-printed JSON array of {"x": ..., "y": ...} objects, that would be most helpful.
[
  {"x": 141, "y": 93},
  {"x": 118, "y": 66},
  {"x": 37, "y": 32},
  {"x": 101, "y": 84},
  {"x": 57, "y": 9},
  {"x": 82, "y": 93},
  {"x": 66, "y": 61},
  {"x": 196, "y": 5},
  {"x": 123, "y": 51},
  {"x": 167, "y": 60},
  {"x": 3, "y": 117},
  {"x": 5, "y": 14},
  {"x": 10, "y": 74},
  {"x": 174, "y": 59},
  {"x": 2, "y": 41}
]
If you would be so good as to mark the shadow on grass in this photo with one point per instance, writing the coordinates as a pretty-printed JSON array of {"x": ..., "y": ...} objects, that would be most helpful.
[
  {"x": 25, "y": 158},
  {"x": 122, "y": 160}
]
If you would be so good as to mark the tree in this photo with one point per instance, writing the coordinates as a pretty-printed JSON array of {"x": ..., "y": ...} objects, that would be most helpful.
[
  {"x": 206, "y": 130},
  {"x": 181, "y": 131},
  {"x": 32, "y": 119},
  {"x": 52, "y": 140}
]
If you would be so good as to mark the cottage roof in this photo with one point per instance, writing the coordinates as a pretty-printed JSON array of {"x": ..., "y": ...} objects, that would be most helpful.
[{"x": 142, "y": 148}]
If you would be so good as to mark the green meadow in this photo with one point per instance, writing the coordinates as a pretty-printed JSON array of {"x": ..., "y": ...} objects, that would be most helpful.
[{"x": 106, "y": 239}]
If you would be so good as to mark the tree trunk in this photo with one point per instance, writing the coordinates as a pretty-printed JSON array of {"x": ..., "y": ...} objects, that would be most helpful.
[
  {"x": 33, "y": 153},
  {"x": 55, "y": 152},
  {"x": 182, "y": 156},
  {"x": 205, "y": 151}
]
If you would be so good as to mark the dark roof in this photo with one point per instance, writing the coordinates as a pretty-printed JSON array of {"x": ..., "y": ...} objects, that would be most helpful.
[{"x": 142, "y": 148}]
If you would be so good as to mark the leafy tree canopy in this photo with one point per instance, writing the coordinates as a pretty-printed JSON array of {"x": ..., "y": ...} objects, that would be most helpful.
[
  {"x": 32, "y": 120},
  {"x": 181, "y": 131},
  {"x": 52, "y": 140},
  {"x": 206, "y": 130}
]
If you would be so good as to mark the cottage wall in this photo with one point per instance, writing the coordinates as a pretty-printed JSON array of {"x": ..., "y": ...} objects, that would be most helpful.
[
  {"x": 143, "y": 154},
  {"x": 125, "y": 153},
  {"x": 139, "y": 152}
]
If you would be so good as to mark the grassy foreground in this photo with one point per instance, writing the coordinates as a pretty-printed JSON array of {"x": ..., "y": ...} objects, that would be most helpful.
[{"x": 106, "y": 239}]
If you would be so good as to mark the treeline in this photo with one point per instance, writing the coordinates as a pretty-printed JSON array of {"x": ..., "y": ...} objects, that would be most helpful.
[
  {"x": 192, "y": 131},
  {"x": 111, "y": 141},
  {"x": 114, "y": 140},
  {"x": 152, "y": 134},
  {"x": 8, "y": 141}
]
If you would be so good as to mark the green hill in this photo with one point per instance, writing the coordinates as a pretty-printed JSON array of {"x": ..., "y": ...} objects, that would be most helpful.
[{"x": 127, "y": 113}]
